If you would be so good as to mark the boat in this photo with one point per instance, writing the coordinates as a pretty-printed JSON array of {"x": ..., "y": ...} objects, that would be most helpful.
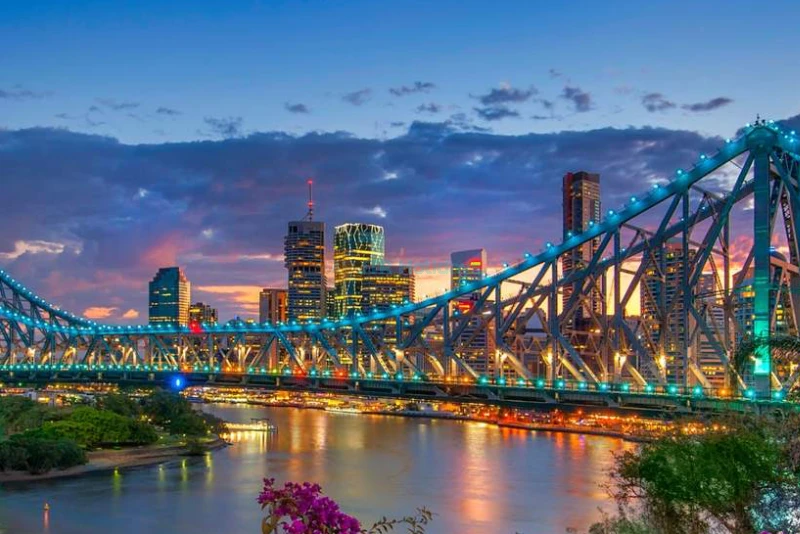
[
  {"x": 342, "y": 409},
  {"x": 255, "y": 425}
]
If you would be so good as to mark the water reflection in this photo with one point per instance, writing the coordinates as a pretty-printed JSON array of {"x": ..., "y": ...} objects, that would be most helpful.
[{"x": 476, "y": 477}]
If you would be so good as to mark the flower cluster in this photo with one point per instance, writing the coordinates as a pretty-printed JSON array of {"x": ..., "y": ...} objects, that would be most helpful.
[{"x": 302, "y": 509}]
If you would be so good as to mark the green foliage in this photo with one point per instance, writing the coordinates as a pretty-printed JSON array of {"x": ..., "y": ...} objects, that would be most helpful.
[
  {"x": 734, "y": 481},
  {"x": 18, "y": 414},
  {"x": 120, "y": 404},
  {"x": 194, "y": 447},
  {"x": 35, "y": 454},
  {"x": 162, "y": 407},
  {"x": 90, "y": 427},
  {"x": 175, "y": 414},
  {"x": 189, "y": 424},
  {"x": 415, "y": 524}
]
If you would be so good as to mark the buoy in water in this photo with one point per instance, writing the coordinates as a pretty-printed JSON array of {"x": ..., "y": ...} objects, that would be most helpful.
[{"x": 46, "y": 507}]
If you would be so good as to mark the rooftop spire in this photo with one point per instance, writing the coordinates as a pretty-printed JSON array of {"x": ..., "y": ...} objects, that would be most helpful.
[{"x": 310, "y": 213}]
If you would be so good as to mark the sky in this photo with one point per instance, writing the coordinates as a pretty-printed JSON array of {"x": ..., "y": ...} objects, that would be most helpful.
[{"x": 135, "y": 135}]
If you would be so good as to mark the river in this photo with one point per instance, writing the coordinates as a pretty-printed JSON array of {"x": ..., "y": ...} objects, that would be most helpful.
[{"x": 477, "y": 478}]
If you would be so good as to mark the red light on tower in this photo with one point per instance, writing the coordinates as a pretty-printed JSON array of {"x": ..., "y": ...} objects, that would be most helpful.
[
  {"x": 195, "y": 327},
  {"x": 310, "y": 214}
]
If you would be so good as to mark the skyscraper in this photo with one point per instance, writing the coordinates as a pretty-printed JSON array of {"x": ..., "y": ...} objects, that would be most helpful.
[
  {"x": 581, "y": 209},
  {"x": 467, "y": 266},
  {"x": 272, "y": 305},
  {"x": 170, "y": 294},
  {"x": 305, "y": 261},
  {"x": 355, "y": 245},
  {"x": 660, "y": 287},
  {"x": 202, "y": 314},
  {"x": 386, "y": 285},
  {"x": 475, "y": 345}
]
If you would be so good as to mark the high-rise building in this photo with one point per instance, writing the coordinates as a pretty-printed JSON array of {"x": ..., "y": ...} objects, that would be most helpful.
[
  {"x": 305, "y": 261},
  {"x": 661, "y": 285},
  {"x": 170, "y": 294},
  {"x": 467, "y": 266},
  {"x": 710, "y": 305},
  {"x": 272, "y": 305},
  {"x": 385, "y": 285},
  {"x": 581, "y": 210},
  {"x": 475, "y": 346},
  {"x": 355, "y": 245},
  {"x": 202, "y": 314},
  {"x": 330, "y": 302}
]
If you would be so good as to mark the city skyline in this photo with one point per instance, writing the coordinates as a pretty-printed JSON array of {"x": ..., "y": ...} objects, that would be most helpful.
[{"x": 472, "y": 146}]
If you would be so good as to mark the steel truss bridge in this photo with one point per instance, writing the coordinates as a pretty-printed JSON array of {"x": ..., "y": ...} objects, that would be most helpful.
[{"x": 533, "y": 330}]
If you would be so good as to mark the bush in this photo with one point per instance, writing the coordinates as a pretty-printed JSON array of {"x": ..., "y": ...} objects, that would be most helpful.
[
  {"x": 18, "y": 414},
  {"x": 32, "y": 453},
  {"x": 90, "y": 427}
]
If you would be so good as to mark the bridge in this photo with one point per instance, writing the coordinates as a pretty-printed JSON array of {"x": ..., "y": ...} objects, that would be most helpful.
[{"x": 704, "y": 333}]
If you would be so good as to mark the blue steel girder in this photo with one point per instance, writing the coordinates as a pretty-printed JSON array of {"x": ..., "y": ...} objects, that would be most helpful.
[{"x": 32, "y": 324}]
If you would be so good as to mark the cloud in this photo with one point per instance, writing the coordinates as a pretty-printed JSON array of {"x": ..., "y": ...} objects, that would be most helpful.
[
  {"x": 33, "y": 247},
  {"x": 20, "y": 93},
  {"x": 116, "y": 105},
  {"x": 416, "y": 87},
  {"x": 581, "y": 100},
  {"x": 714, "y": 103},
  {"x": 656, "y": 102},
  {"x": 496, "y": 113},
  {"x": 505, "y": 95},
  {"x": 150, "y": 203},
  {"x": 554, "y": 73},
  {"x": 296, "y": 108},
  {"x": 429, "y": 108},
  {"x": 377, "y": 211},
  {"x": 168, "y": 112},
  {"x": 225, "y": 127},
  {"x": 130, "y": 314},
  {"x": 397, "y": 124},
  {"x": 359, "y": 97},
  {"x": 99, "y": 312}
]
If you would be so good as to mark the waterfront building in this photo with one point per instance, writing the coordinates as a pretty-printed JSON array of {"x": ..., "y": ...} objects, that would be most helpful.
[
  {"x": 200, "y": 313},
  {"x": 355, "y": 245},
  {"x": 386, "y": 285},
  {"x": 272, "y": 305},
  {"x": 304, "y": 258},
  {"x": 170, "y": 294}
]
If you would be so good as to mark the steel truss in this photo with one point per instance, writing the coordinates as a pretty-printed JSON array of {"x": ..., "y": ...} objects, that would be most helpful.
[{"x": 656, "y": 249}]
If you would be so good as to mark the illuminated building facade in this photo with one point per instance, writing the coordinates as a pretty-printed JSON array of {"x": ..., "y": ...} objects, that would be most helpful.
[
  {"x": 304, "y": 258},
  {"x": 386, "y": 285},
  {"x": 272, "y": 305},
  {"x": 170, "y": 294},
  {"x": 661, "y": 285},
  {"x": 355, "y": 245},
  {"x": 477, "y": 348},
  {"x": 202, "y": 314},
  {"x": 581, "y": 210}
]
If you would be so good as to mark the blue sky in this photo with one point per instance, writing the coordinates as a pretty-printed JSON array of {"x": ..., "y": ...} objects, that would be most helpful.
[
  {"x": 210, "y": 59},
  {"x": 135, "y": 135}
]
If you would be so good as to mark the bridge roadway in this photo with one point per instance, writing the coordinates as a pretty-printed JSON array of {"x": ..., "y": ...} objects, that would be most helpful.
[{"x": 538, "y": 394}]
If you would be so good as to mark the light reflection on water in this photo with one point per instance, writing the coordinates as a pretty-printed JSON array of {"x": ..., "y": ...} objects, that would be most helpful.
[{"x": 476, "y": 477}]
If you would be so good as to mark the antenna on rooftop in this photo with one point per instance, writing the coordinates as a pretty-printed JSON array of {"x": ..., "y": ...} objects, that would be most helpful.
[{"x": 310, "y": 214}]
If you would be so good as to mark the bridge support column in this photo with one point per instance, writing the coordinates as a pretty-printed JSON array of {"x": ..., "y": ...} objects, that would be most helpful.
[{"x": 762, "y": 233}]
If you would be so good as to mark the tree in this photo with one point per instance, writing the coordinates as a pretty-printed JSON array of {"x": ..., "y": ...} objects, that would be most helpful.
[
  {"x": 733, "y": 481},
  {"x": 162, "y": 407},
  {"x": 189, "y": 424},
  {"x": 120, "y": 404}
]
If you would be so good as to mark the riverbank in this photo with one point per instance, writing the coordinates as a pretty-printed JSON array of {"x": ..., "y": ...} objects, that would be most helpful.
[
  {"x": 430, "y": 414},
  {"x": 110, "y": 460}
]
